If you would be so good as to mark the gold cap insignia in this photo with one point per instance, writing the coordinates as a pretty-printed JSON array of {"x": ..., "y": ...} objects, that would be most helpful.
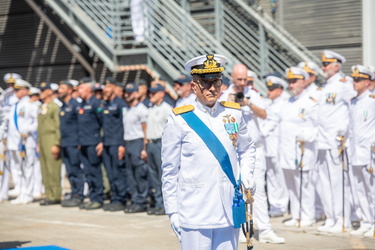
[
  {"x": 11, "y": 79},
  {"x": 269, "y": 83},
  {"x": 356, "y": 73},
  {"x": 43, "y": 84},
  {"x": 209, "y": 66},
  {"x": 293, "y": 76},
  {"x": 325, "y": 59}
]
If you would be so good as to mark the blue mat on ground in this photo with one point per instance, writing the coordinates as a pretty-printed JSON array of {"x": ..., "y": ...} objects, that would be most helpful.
[{"x": 40, "y": 248}]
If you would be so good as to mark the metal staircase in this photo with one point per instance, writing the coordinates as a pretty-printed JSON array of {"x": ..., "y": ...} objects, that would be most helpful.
[{"x": 176, "y": 31}]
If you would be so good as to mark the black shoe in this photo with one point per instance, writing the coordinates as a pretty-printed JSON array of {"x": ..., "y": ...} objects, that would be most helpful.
[
  {"x": 114, "y": 207},
  {"x": 72, "y": 202},
  {"x": 106, "y": 206},
  {"x": 159, "y": 211},
  {"x": 91, "y": 205},
  {"x": 135, "y": 209},
  {"x": 48, "y": 203},
  {"x": 151, "y": 210}
]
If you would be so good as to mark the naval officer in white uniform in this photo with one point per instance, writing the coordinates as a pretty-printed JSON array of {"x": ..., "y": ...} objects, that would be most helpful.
[
  {"x": 297, "y": 147},
  {"x": 333, "y": 118},
  {"x": 198, "y": 194},
  {"x": 362, "y": 142}
]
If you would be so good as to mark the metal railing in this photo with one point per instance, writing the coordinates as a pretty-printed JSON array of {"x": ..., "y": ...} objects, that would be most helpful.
[{"x": 173, "y": 36}]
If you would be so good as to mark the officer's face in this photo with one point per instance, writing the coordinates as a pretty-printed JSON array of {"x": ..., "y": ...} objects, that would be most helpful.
[
  {"x": 157, "y": 97},
  {"x": 296, "y": 86},
  {"x": 20, "y": 93},
  {"x": 108, "y": 91},
  {"x": 274, "y": 93},
  {"x": 85, "y": 91},
  {"x": 207, "y": 90},
  {"x": 64, "y": 91},
  {"x": 371, "y": 87},
  {"x": 131, "y": 96},
  {"x": 330, "y": 69},
  {"x": 360, "y": 85},
  {"x": 46, "y": 93}
]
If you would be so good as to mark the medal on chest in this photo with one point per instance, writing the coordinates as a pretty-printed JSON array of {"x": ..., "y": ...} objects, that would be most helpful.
[
  {"x": 231, "y": 126},
  {"x": 302, "y": 113},
  {"x": 331, "y": 98},
  {"x": 81, "y": 111},
  {"x": 62, "y": 113},
  {"x": 21, "y": 113},
  {"x": 44, "y": 109},
  {"x": 365, "y": 115}
]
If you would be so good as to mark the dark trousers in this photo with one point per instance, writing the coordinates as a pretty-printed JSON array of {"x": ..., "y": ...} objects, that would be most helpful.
[
  {"x": 154, "y": 170},
  {"x": 136, "y": 172},
  {"x": 116, "y": 173},
  {"x": 93, "y": 172},
  {"x": 71, "y": 158}
]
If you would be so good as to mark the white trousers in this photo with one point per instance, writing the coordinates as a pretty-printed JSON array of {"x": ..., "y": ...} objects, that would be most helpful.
[
  {"x": 330, "y": 188},
  {"x": 276, "y": 186},
  {"x": 364, "y": 182},
  {"x": 5, "y": 178},
  {"x": 22, "y": 171},
  {"x": 293, "y": 182},
  {"x": 209, "y": 239},
  {"x": 318, "y": 201},
  {"x": 261, "y": 217},
  {"x": 37, "y": 176}
]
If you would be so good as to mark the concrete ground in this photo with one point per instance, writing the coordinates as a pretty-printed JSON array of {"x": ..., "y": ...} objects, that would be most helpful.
[{"x": 33, "y": 225}]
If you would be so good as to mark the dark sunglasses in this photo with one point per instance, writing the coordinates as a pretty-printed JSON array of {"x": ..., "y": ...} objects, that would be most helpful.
[
  {"x": 325, "y": 64},
  {"x": 291, "y": 81},
  {"x": 358, "y": 79},
  {"x": 270, "y": 88},
  {"x": 206, "y": 84}
]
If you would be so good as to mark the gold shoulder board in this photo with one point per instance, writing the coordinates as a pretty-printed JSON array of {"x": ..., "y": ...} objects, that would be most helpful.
[
  {"x": 343, "y": 79},
  {"x": 232, "y": 105},
  {"x": 312, "y": 98},
  {"x": 183, "y": 109},
  {"x": 372, "y": 96}
]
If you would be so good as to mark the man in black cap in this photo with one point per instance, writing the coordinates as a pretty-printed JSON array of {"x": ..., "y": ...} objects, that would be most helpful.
[
  {"x": 69, "y": 144},
  {"x": 183, "y": 89},
  {"x": 114, "y": 150},
  {"x": 89, "y": 124},
  {"x": 135, "y": 142}
]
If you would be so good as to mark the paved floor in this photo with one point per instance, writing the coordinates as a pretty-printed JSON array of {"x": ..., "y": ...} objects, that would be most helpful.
[{"x": 33, "y": 225}]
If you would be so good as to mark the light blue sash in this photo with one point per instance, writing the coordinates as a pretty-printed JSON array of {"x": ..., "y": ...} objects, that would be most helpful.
[{"x": 218, "y": 150}]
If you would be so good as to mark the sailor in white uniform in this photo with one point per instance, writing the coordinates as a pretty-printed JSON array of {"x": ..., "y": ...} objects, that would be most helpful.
[
  {"x": 276, "y": 187},
  {"x": 362, "y": 142},
  {"x": 198, "y": 194},
  {"x": 297, "y": 148},
  {"x": 333, "y": 122},
  {"x": 22, "y": 125}
]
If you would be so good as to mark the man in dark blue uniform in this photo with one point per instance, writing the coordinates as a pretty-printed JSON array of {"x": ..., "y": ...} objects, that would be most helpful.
[
  {"x": 89, "y": 123},
  {"x": 69, "y": 144},
  {"x": 114, "y": 145}
]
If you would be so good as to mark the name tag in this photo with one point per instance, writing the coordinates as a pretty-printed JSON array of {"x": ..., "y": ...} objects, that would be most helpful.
[{"x": 87, "y": 107}]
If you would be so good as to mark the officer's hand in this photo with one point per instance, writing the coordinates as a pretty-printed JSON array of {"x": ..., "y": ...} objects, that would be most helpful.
[
  {"x": 248, "y": 182},
  {"x": 121, "y": 152},
  {"x": 144, "y": 155},
  {"x": 37, "y": 148},
  {"x": 175, "y": 224},
  {"x": 55, "y": 150},
  {"x": 99, "y": 149}
]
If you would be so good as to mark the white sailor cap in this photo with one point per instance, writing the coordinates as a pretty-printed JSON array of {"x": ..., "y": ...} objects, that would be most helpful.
[
  {"x": 360, "y": 71},
  {"x": 251, "y": 75},
  {"x": 296, "y": 73},
  {"x": 274, "y": 81},
  {"x": 206, "y": 66},
  {"x": 372, "y": 69},
  {"x": 34, "y": 91},
  {"x": 54, "y": 86},
  {"x": 11, "y": 77},
  {"x": 330, "y": 56},
  {"x": 309, "y": 67},
  {"x": 21, "y": 84},
  {"x": 74, "y": 83}
]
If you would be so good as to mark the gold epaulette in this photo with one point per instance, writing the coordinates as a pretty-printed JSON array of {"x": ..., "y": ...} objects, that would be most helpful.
[
  {"x": 343, "y": 79},
  {"x": 372, "y": 96},
  {"x": 312, "y": 98},
  {"x": 183, "y": 109},
  {"x": 232, "y": 105}
]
